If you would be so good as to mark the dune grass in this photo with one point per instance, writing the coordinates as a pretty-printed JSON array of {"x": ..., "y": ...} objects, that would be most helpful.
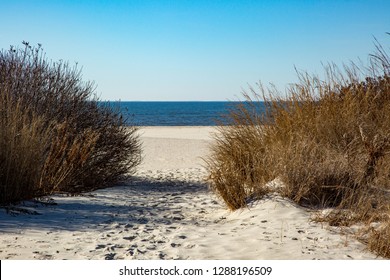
[
  {"x": 328, "y": 141},
  {"x": 54, "y": 134}
]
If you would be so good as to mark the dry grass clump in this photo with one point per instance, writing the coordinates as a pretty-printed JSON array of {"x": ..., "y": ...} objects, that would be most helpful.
[
  {"x": 237, "y": 161},
  {"x": 54, "y": 134},
  {"x": 378, "y": 239},
  {"x": 328, "y": 141}
]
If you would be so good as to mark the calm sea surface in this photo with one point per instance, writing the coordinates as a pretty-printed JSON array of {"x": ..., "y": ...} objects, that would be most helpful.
[{"x": 174, "y": 113}]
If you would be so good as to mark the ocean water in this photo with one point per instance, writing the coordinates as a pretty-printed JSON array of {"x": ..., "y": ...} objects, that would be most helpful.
[{"x": 176, "y": 113}]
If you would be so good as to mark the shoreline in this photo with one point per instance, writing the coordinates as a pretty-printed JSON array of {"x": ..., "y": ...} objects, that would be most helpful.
[{"x": 168, "y": 212}]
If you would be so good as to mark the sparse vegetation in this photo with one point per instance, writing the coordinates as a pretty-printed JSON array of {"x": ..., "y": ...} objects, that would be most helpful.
[
  {"x": 328, "y": 141},
  {"x": 54, "y": 134}
]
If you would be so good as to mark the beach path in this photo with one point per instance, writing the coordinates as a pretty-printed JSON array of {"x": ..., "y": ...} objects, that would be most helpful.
[{"x": 168, "y": 212}]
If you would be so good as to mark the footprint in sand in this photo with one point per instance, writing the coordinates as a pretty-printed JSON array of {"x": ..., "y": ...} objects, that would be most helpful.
[
  {"x": 162, "y": 255},
  {"x": 142, "y": 220},
  {"x": 9, "y": 256},
  {"x": 151, "y": 247},
  {"x": 42, "y": 256},
  {"x": 109, "y": 256},
  {"x": 130, "y": 238}
]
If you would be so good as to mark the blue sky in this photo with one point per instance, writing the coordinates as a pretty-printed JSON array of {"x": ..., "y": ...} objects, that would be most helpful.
[{"x": 195, "y": 50}]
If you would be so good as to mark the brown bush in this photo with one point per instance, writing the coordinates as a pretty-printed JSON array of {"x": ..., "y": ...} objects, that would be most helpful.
[{"x": 55, "y": 135}]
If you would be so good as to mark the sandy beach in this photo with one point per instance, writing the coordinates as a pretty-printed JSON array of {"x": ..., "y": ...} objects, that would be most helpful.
[{"x": 168, "y": 212}]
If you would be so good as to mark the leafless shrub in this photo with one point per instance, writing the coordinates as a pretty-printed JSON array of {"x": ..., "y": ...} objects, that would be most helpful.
[{"x": 54, "y": 134}]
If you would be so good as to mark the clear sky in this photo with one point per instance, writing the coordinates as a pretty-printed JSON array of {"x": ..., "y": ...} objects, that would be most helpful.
[{"x": 195, "y": 50}]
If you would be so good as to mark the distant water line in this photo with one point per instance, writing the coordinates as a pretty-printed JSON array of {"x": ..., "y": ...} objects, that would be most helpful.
[{"x": 174, "y": 113}]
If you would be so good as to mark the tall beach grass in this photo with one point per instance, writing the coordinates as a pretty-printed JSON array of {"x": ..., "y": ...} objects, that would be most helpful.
[{"x": 327, "y": 140}]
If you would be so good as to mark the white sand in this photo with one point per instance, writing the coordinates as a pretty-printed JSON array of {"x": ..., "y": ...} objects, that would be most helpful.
[{"x": 167, "y": 212}]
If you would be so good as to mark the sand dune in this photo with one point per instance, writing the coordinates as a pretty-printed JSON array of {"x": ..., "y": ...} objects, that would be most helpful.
[{"x": 167, "y": 212}]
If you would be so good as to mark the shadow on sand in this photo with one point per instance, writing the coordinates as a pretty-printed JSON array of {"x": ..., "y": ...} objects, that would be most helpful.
[{"x": 141, "y": 200}]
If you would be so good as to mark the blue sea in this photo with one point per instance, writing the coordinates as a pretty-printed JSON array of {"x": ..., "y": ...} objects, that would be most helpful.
[{"x": 174, "y": 113}]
